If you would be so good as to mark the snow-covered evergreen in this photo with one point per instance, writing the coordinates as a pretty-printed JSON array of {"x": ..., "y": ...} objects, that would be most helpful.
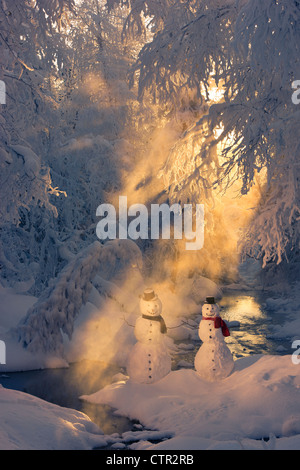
[{"x": 57, "y": 308}]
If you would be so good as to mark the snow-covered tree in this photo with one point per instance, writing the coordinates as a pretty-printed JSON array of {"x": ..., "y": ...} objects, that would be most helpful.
[
  {"x": 59, "y": 163},
  {"x": 56, "y": 310},
  {"x": 214, "y": 119},
  {"x": 249, "y": 50},
  {"x": 31, "y": 52},
  {"x": 64, "y": 70}
]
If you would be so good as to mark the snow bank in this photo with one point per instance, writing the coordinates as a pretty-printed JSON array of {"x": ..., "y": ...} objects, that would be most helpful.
[
  {"x": 13, "y": 308},
  {"x": 198, "y": 288},
  {"x": 287, "y": 308},
  {"x": 260, "y": 399},
  {"x": 257, "y": 407},
  {"x": 32, "y": 162},
  {"x": 29, "y": 423}
]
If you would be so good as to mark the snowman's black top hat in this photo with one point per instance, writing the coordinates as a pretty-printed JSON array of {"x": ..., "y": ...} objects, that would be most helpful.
[
  {"x": 148, "y": 294},
  {"x": 210, "y": 300}
]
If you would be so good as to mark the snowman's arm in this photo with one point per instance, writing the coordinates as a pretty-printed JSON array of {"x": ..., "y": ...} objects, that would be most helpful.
[
  {"x": 173, "y": 327},
  {"x": 123, "y": 318},
  {"x": 181, "y": 324}
]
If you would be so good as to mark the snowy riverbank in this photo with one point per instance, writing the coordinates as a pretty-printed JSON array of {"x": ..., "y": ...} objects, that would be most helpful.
[
  {"x": 256, "y": 407},
  {"x": 28, "y": 423},
  {"x": 259, "y": 400}
]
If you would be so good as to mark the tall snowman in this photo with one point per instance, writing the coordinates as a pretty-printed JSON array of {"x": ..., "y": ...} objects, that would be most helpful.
[
  {"x": 149, "y": 360},
  {"x": 214, "y": 360}
]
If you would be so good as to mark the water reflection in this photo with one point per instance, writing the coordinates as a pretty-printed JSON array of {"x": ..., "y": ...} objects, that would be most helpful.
[
  {"x": 249, "y": 330},
  {"x": 244, "y": 308},
  {"x": 64, "y": 387}
]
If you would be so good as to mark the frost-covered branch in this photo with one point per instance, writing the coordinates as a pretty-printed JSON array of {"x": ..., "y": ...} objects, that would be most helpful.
[
  {"x": 59, "y": 305},
  {"x": 55, "y": 311},
  {"x": 250, "y": 50}
]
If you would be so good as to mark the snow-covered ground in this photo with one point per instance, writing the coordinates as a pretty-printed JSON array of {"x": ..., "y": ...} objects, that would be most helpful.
[
  {"x": 28, "y": 423},
  {"x": 260, "y": 400},
  {"x": 256, "y": 407}
]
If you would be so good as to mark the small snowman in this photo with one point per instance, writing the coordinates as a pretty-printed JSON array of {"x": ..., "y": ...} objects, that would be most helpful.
[
  {"x": 149, "y": 360},
  {"x": 214, "y": 360}
]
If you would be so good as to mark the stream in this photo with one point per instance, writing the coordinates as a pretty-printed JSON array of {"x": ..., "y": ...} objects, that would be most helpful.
[{"x": 249, "y": 324}]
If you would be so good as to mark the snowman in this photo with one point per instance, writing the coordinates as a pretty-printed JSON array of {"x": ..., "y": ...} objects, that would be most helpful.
[
  {"x": 149, "y": 360},
  {"x": 214, "y": 360}
]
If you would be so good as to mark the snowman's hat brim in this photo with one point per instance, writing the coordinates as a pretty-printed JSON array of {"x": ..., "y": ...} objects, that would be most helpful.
[{"x": 148, "y": 294}]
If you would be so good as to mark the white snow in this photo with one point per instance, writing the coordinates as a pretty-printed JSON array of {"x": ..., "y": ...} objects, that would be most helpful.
[
  {"x": 260, "y": 399},
  {"x": 32, "y": 163},
  {"x": 256, "y": 407},
  {"x": 28, "y": 423}
]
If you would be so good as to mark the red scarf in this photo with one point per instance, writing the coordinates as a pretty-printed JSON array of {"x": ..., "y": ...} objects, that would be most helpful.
[{"x": 219, "y": 323}]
